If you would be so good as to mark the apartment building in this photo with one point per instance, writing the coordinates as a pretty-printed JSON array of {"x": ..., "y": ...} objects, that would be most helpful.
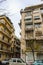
[
  {"x": 17, "y": 47},
  {"x": 6, "y": 31},
  {"x": 31, "y": 25}
]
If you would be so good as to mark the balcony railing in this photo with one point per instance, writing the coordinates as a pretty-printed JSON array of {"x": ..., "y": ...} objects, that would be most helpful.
[
  {"x": 4, "y": 41},
  {"x": 5, "y": 33},
  {"x": 29, "y": 28},
  {"x": 6, "y": 26},
  {"x": 4, "y": 50},
  {"x": 1, "y": 22},
  {"x": 28, "y": 17},
  {"x": 29, "y": 38},
  {"x": 39, "y": 37},
  {"x": 28, "y": 22},
  {"x": 9, "y": 28}
]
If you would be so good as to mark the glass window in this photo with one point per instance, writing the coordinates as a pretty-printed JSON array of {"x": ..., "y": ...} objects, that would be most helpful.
[
  {"x": 28, "y": 19},
  {"x": 19, "y": 61},
  {"x": 36, "y": 17},
  {"x": 14, "y": 60}
]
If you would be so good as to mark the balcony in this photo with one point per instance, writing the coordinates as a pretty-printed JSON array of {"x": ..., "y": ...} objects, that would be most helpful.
[
  {"x": 8, "y": 21},
  {"x": 38, "y": 32},
  {"x": 37, "y": 19},
  {"x": 4, "y": 50},
  {"x": 2, "y": 22},
  {"x": 9, "y": 28},
  {"x": 29, "y": 38},
  {"x": 39, "y": 37},
  {"x": 3, "y": 41},
  {"x": 29, "y": 22},
  {"x": 5, "y": 33},
  {"x": 29, "y": 28},
  {"x": 28, "y": 17},
  {"x": 28, "y": 49},
  {"x": 42, "y": 11}
]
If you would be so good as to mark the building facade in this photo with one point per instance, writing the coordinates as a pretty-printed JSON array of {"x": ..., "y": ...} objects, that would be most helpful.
[
  {"x": 17, "y": 47},
  {"x": 6, "y": 30},
  {"x": 31, "y": 25}
]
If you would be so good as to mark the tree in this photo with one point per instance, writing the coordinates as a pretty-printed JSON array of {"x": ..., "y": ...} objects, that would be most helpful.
[{"x": 31, "y": 45}]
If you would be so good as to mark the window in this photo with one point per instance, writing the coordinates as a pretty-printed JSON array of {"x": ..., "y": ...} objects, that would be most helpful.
[
  {"x": 28, "y": 19},
  {"x": 19, "y": 61},
  {"x": 36, "y": 17},
  {"x": 14, "y": 60}
]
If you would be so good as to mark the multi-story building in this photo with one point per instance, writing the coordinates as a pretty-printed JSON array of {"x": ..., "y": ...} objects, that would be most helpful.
[
  {"x": 31, "y": 25},
  {"x": 6, "y": 30},
  {"x": 17, "y": 47}
]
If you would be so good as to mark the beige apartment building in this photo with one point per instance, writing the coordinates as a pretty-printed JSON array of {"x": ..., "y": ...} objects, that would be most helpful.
[
  {"x": 17, "y": 47},
  {"x": 6, "y": 31},
  {"x": 31, "y": 25}
]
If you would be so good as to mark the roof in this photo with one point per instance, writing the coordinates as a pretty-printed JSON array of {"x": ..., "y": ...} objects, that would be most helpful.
[
  {"x": 31, "y": 8},
  {"x": 7, "y": 18},
  {"x": 34, "y": 6}
]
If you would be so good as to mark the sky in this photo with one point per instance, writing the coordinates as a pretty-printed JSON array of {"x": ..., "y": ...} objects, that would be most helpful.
[{"x": 12, "y": 9}]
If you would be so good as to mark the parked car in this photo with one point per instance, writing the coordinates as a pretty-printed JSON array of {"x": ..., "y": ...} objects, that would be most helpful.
[
  {"x": 38, "y": 62},
  {"x": 5, "y": 61},
  {"x": 16, "y": 61}
]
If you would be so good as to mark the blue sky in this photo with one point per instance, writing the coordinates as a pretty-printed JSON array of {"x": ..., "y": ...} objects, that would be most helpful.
[{"x": 13, "y": 7}]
